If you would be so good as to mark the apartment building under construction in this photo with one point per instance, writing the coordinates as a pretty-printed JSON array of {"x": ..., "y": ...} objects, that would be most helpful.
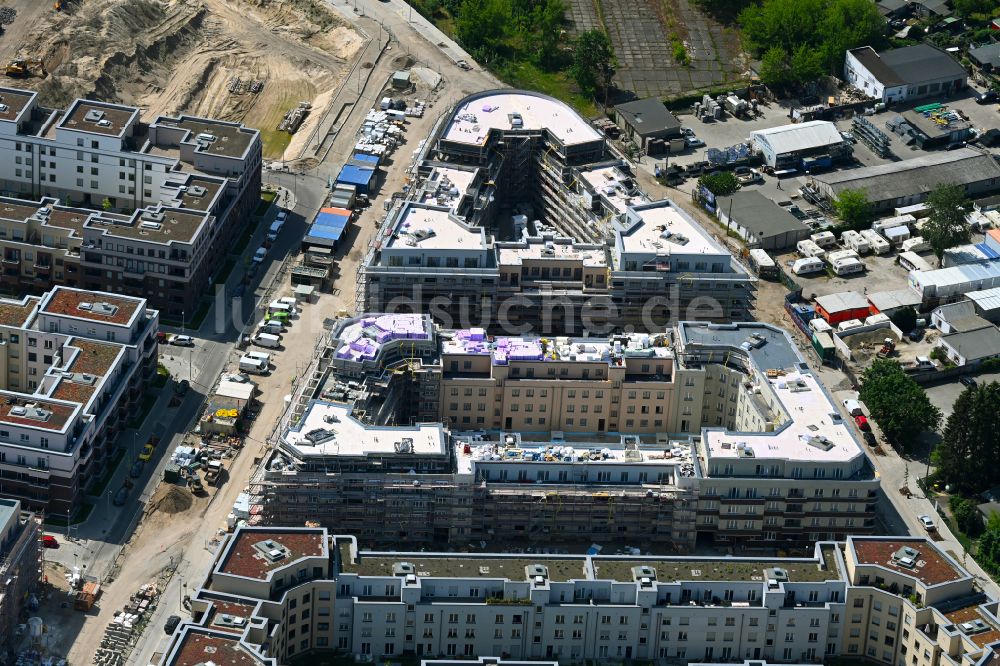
[
  {"x": 406, "y": 432},
  {"x": 520, "y": 218}
]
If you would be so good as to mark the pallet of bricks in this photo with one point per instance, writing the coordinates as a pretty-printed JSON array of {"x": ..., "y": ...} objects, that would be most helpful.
[{"x": 125, "y": 629}]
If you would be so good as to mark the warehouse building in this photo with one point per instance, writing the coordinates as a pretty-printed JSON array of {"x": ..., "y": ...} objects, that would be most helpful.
[
  {"x": 525, "y": 439},
  {"x": 280, "y": 595},
  {"x": 986, "y": 57},
  {"x": 843, "y": 306},
  {"x": 892, "y": 301},
  {"x": 760, "y": 222},
  {"x": 905, "y": 74},
  {"x": 804, "y": 146},
  {"x": 908, "y": 182},
  {"x": 946, "y": 285},
  {"x": 520, "y": 216},
  {"x": 934, "y": 126},
  {"x": 646, "y": 119},
  {"x": 987, "y": 303}
]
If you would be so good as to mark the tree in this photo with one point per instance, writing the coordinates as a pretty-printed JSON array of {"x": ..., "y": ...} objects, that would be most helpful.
[
  {"x": 854, "y": 208},
  {"x": 897, "y": 403},
  {"x": 106, "y": 204},
  {"x": 774, "y": 69},
  {"x": 480, "y": 24},
  {"x": 593, "y": 61},
  {"x": 970, "y": 439},
  {"x": 946, "y": 226},
  {"x": 721, "y": 184},
  {"x": 969, "y": 7},
  {"x": 905, "y": 319},
  {"x": 966, "y": 515}
]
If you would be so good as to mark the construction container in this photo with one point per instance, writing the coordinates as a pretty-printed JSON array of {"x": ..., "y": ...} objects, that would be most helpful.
[
  {"x": 171, "y": 473},
  {"x": 86, "y": 597}
]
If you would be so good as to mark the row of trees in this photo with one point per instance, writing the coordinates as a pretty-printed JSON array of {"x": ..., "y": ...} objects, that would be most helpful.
[
  {"x": 946, "y": 226},
  {"x": 899, "y": 405},
  {"x": 970, "y": 442},
  {"x": 515, "y": 29},
  {"x": 801, "y": 40}
]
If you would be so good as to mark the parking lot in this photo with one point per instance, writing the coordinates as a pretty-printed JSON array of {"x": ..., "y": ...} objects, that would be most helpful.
[{"x": 943, "y": 396}]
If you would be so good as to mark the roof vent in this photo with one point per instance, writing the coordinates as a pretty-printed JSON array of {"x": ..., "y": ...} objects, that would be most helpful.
[
  {"x": 403, "y": 569},
  {"x": 906, "y": 557},
  {"x": 153, "y": 226},
  {"x": 227, "y": 620},
  {"x": 152, "y": 216},
  {"x": 404, "y": 445},
  {"x": 537, "y": 570},
  {"x": 4, "y": 108},
  {"x": 104, "y": 122},
  {"x": 320, "y": 436},
  {"x": 820, "y": 442},
  {"x": 105, "y": 309},
  {"x": 18, "y": 410},
  {"x": 207, "y": 137},
  {"x": 197, "y": 191},
  {"x": 87, "y": 307},
  {"x": 272, "y": 551},
  {"x": 94, "y": 116}
]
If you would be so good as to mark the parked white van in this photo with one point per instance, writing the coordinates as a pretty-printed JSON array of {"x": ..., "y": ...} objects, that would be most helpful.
[
  {"x": 272, "y": 326},
  {"x": 252, "y": 365},
  {"x": 267, "y": 340},
  {"x": 274, "y": 230},
  {"x": 263, "y": 356}
]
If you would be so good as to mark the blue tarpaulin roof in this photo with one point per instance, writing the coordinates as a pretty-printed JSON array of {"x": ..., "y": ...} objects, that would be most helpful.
[
  {"x": 356, "y": 175},
  {"x": 365, "y": 157},
  {"x": 329, "y": 224}
]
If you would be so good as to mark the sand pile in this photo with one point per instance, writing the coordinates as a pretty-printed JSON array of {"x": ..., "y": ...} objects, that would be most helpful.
[{"x": 174, "y": 500}]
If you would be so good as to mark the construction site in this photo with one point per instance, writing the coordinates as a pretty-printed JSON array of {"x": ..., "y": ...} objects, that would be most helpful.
[{"x": 210, "y": 58}]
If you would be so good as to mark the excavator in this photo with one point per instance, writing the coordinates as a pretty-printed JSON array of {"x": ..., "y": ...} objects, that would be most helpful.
[{"x": 21, "y": 68}]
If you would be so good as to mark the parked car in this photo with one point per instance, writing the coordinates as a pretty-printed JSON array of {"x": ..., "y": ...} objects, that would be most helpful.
[
  {"x": 120, "y": 496},
  {"x": 260, "y": 255},
  {"x": 967, "y": 381},
  {"x": 49, "y": 541},
  {"x": 136, "y": 469},
  {"x": 182, "y": 340},
  {"x": 927, "y": 522},
  {"x": 463, "y": 65},
  {"x": 182, "y": 387},
  {"x": 687, "y": 131},
  {"x": 171, "y": 624},
  {"x": 862, "y": 422},
  {"x": 147, "y": 452},
  {"x": 693, "y": 142},
  {"x": 870, "y": 438},
  {"x": 987, "y": 97}
]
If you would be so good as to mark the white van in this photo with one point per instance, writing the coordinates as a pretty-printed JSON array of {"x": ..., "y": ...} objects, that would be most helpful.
[
  {"x": 853, "y": 407},
  {"x": 877, "y": 244},
  {"x": 267, "y": 340},
  {"x": 252, "y": 365},
  {"x": 280, "y": 306},
  {"x": 274, "y": 230},
  {"x": 853, "y": 240},
  {"x": 807, "y": 265},
  {"x": 808, "y": 248},
  {"x": 272, "y": 326},
  {"x": 916, "y": 244},
  {"x": 262, "y": 356}
]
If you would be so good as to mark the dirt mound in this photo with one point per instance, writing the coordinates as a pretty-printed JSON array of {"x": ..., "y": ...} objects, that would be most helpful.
[
  {"x": 183, "y": 56},
  {"x": 173, "y": 500}
]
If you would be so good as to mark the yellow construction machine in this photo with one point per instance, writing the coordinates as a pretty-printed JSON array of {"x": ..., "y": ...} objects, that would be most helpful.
[{"x": 21, "y": 68}]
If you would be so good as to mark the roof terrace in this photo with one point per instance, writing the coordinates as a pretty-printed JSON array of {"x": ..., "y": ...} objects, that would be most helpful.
[
  {"x": 199, "y": 647},
  {"x": 431, "y": 227},
  {"x": 88, "y": 367},
  {"x": 17, "y": 313},
  {"x": 660, "y": 229},
  {"x": 329, "y": 429},
  {"x": 926, "y": 563},
  {"x": 158, "y": 225},
  {"x": 13, "y": 102},
  {"x": 19, "y": 410},
  {"x": 243, "y": 556},
  {"x": 98, "y": 117},
  {"x": 473, "y": 121},
  {"x": 214, "y": 137},
  {"x": 91, "y": 305}
]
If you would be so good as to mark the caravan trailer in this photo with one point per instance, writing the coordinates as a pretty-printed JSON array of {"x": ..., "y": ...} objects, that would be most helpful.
[
  {"x": 808, "y": 248},
  {"x": 847, "y": 266},
  {"x": 897, "y": 235},
  {"x": 877, "y": 244},
  {"x": 916, "y": 244},
  {"x": 823, "y": 238},
  {"x": 853, "y": 240},
  {"x": 912, "y": 261},
  {"x": 762, "y": 263},
  {"x": 899, "y": 221},
  {"x": 808, "y": 265}
]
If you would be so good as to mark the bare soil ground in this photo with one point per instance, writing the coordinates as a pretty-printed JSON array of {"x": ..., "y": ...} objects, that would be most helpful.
[{"x": 179, "y": 56}]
